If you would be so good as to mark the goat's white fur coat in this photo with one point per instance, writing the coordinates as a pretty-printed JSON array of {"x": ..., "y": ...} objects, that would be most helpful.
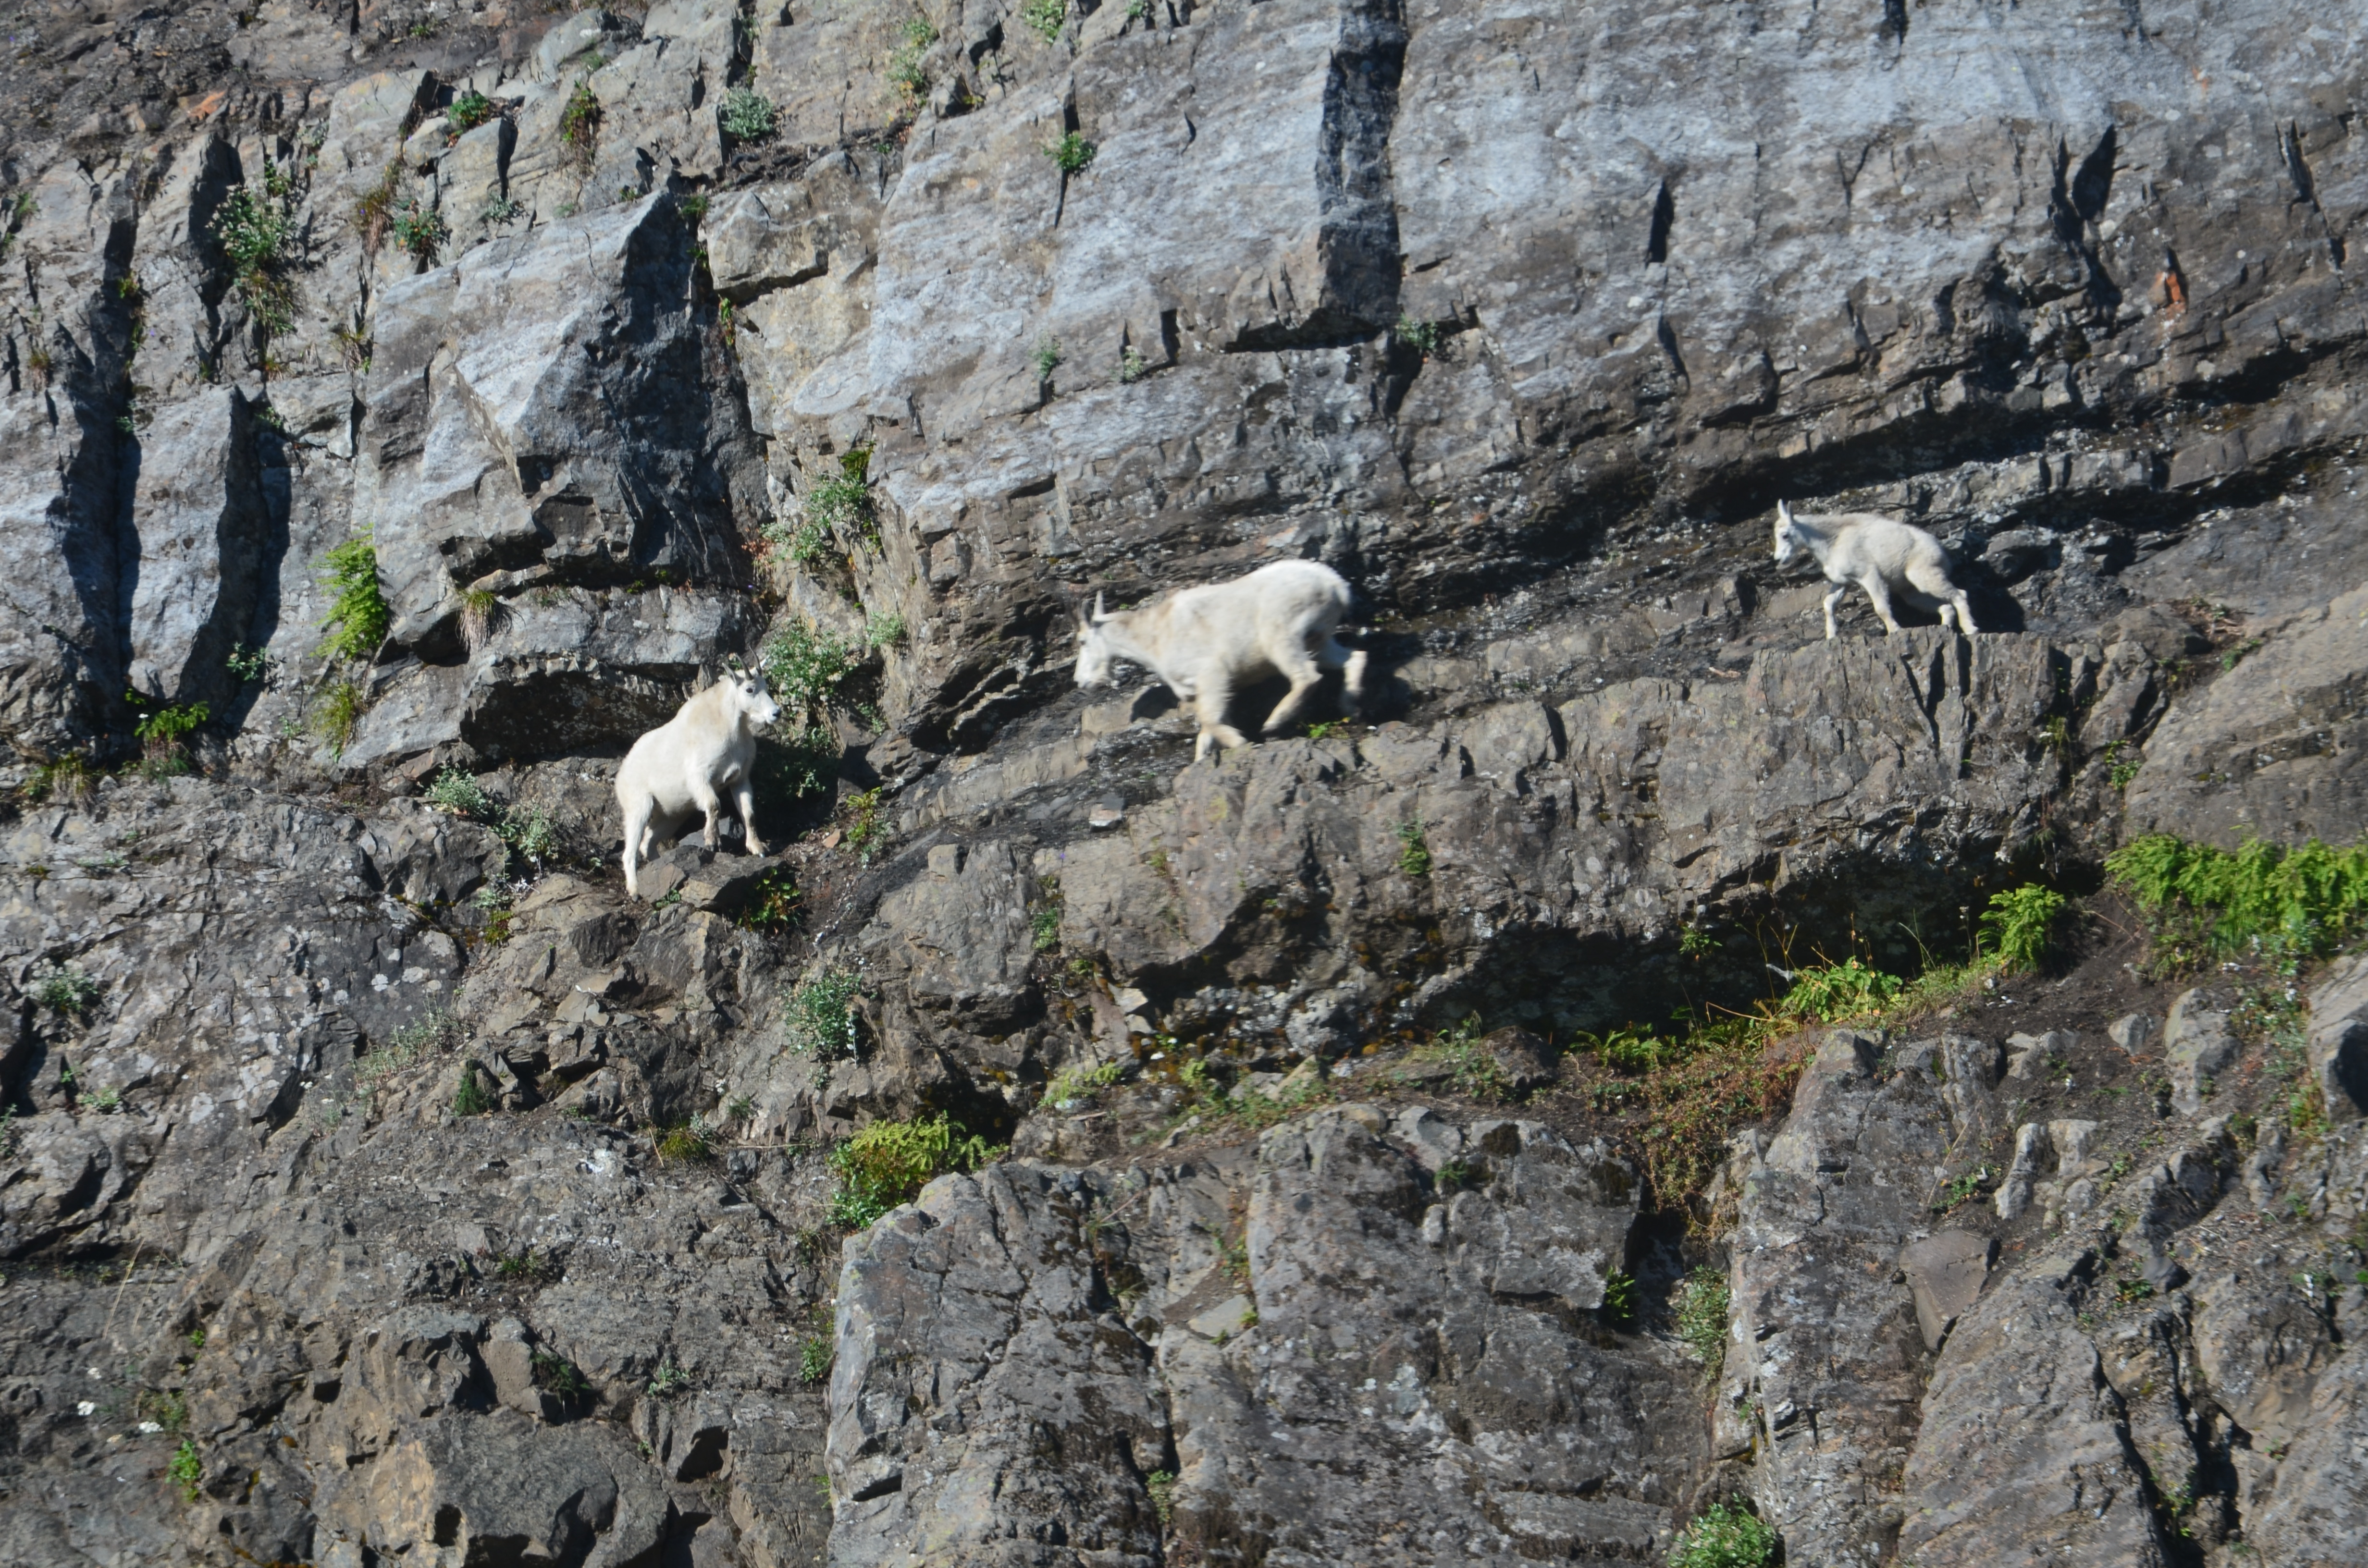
[
  {"x": 1880, "y": 554},
  {"x": 686, "y": 764},
  {"x": 1204, "y": 643}
]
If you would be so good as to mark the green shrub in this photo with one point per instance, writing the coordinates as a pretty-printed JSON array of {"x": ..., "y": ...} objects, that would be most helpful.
[
  {"x": 1044, "y": 926},
  {"x": 819, "y": 1018},
  {"x": 1045, "y": 17},
  {"x": 905, "y": 71},
  {"x": 888, "y": 1163},
  {"x": 2308, "y": 901},
  {"x": 668, "y": 1380},
  {"x": 1838, "y": 993},
  {"x": 1701, "y": 1308},
  {"x": 528, "y": 831},
  {"x": 470, "y": 111},
  {"x": 1420, "y": 335},
  {"x": 815, "y": 1355},
  {"x": 1072, "y": 152},
  {"x": 804, "y": 667},
  {"x": 421, "y": 232},
  {"x": 1619, "y": 1307},
  {"x": 358, "y": 617},
  {"x": 865, "y": 830},
  {"x": 2016, "y": 925},
  {"x": 245, "y": 663},
  {"x": 685, "y": 1145},
  {"x": 1073, "y": 1084},
  {"x": 885, "y": 629},
  {"x": 1047, "y": 356},
  {"x": 773, "y": 906},
  {"x": 336, "y": 712},
  {"x": 579, "y": 123},
  {"x": 456, "y": 790},
  {"x": 253, "y": 231},
  {"x": 163, "y": 731},
  {"x": 1161, "y": 1486},
  {"x": 746, "y": 115},
  {"x": 471, "y": 1099},
  {"x": 188, "y": 1469},
  {"x": 1414, "y": 850},
  {"x": 66, "y": 990},
  {"x": 1131, "y": 367},
  {"x": 1724, "y": 1537}
]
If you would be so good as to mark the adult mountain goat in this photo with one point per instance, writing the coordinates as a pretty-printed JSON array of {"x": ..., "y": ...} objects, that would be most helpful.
[
  {"x": 1205, "y": 641},
  {"x": 686, "y": 763},
  {"x": 1881, "y": 555}
]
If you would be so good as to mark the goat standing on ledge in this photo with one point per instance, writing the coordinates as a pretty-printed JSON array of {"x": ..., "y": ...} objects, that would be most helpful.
[
  {"x": 1205, "y": 641},
  {"x": 1882, "y": 556},
  {"x": 686, "y": 763}
]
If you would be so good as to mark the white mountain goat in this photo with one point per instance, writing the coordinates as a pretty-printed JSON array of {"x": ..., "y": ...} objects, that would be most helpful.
[
  {"x": 1205, "y": 641},
  {"x": 686, "y": 763},
  {"x": 1881, "y": 555}
]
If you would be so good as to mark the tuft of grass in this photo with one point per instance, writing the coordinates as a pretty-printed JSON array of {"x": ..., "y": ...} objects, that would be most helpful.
[
  {"x": 1072, "y": 152},
  {"x": 1835, "y": 993},
  {"x": 471, "y": 1099},
  {"x": 65, "y": 777},
  {"x": 456, "y": 790},
  {"x": 2015, "y": 926},
  {"x": 747, "y": 116},
  {"x": 188, "y": 1469},
  {"x": 819, "y": 1018},
  {"x": 2206, "y": 903},
  {"x": 888, "y": 1163},
  {"x": 579, "y": 123},
  {"x": 1474, "y": 1069},
  {"x": 884, "y": 629},
  {"x": 815, "y": 1355},
  {"x": 1047, "y": 356},
  {"x": 686, "y": 1144},
  {"x": 521, "y": 1266},
  {"x": 66, "y": 990},
  {"x": 1414, "y": 850},
  {"x": 358, "y": 617},
  {"x": 335, "y": 714},
  {"x": 374, "y": 209},
  {"x": 1045, "y": 18},
  {"x": 1724, "y": 1537},
  {"x": 1619, "y": 1307},
  {"x": 1701, "y": 1308}
]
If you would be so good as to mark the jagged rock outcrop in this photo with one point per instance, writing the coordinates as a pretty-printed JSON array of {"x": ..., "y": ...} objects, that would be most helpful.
[{"x": 377, "y": 1180}]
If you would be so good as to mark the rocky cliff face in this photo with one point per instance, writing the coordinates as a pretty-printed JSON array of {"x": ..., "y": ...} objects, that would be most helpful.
[{"x": 378, "y": 1182}]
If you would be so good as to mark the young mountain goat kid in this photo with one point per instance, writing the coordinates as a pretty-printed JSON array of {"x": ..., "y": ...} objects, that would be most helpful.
[
  {"x": 1205, "y": 641},
  {"x": 686, "y": 763},
  {"x": 1880, "y": 555}
]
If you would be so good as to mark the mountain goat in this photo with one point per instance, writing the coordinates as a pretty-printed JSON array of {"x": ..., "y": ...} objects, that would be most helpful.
[
  {"x": 686, "y": 763},
  {"x": 1205, "y": 641},
  {"x": 1881, "y": 555}
]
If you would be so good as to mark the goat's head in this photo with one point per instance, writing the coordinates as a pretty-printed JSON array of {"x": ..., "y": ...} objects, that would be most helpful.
[
  {"x": 1788, "y": 543},
  {"x": 745, "y": 695},
  {"x": 1095, "y": 654}
]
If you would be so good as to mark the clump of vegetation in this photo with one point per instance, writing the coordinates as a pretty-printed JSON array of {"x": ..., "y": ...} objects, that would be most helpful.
[
  {"x": 819, "y": 1018},
  {"x": 358, "y": 617},
  {"x": 471, "y": 1097},
  {"x": 836, "y": 507},
  {"x": 163, "y": 731},
  {"x": 884, "y": 629},
  {"x": 746, "y": 115},
  {"x": 819, "y": 1350},
  {"x": 521, "y": 1266},
  {"x": 803, "y": 669},
  {"x": 456, "y": 790},
  {"x": 1071, "y": 153},
  {"x": 1724, "y": 1537},
  {"x": 905, "y": 71},
  {"x": 687, "y": 1143},
  {"x": 253, "y": 229},
  {"x": 188, "y": 1469},
  {"x": 1422, "y": 336},
  {"x": 668, "y": 1380},
  {"x": 1075, "y": 1085},
  {"x": 470, "y": 111},
  {"x": 500, "y": 210},
  {"x": 1045, "y": 18},
  {"x": 245, "y": 663},
  {"x": 1619, "y": 1307},
  {"x": 1473, "y": 1067},
  {"x": 560, "y": 1375},
  {"x": 374, "y": 209},
  {"x": 1161, "y": 1486},
  {"x": 579, "y": 122},
  {"x": 1701, "y": 1306},
  {"x": 66, "y": 990},
  {"x": 863, "y": 827},
  {"x": 1414, "y": 850},
  {"x": 1047, "y": 356},
  {"x": 421, "y": 231},
  {"x": 888, "y": 1163},
  {"x": 2208, "y": 902},
  {"x": 773, "y": 905},
  {"x": 1835, "y": 994},
  {"x": 2016, "y": 926},
  {"x": 63, "y": 778},
  {"x": 529, "y": 831},
  {"x": 1130, "y": 366}
]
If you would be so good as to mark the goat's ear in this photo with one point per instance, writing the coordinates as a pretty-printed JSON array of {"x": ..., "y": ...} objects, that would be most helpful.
[
  {"x": 732, "y": 663},
  {"x": 1784, "y": 514},
  {"x": 1099, "y": 613}
]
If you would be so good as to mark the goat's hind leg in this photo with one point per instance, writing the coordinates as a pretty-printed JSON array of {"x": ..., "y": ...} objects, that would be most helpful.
[
  {"x": 1351, "y": 663},
  {"x": 637, "y": 832},
  {"x": 1879, "y": 593}
]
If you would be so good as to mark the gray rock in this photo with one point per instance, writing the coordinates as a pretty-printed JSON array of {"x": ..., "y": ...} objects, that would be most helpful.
[
  {"x": 1945, "y": 1273},
  {"x": 2197, "y": 1045},
  {"x": 2135, "y": 1033},
  {"x": 2339, "y": 1039}
]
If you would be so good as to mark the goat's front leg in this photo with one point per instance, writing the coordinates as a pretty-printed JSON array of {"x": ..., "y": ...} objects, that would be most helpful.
[
  {"x": 1304, "y": 677},
  {"x": 1833, "y": 598},
  {"x": 703, "y": 796},
  {"x": 1878, "y": 591},
  {"x": 1209, "y": 704},
  {"x": 746, "y": 798}
]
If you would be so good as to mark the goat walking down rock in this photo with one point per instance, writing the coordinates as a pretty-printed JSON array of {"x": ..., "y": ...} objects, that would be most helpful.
[
  {"x": 1879, "y": 554},
  {"x": 686, "y": 763},
  {"x": 1206, "y": 642}
]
